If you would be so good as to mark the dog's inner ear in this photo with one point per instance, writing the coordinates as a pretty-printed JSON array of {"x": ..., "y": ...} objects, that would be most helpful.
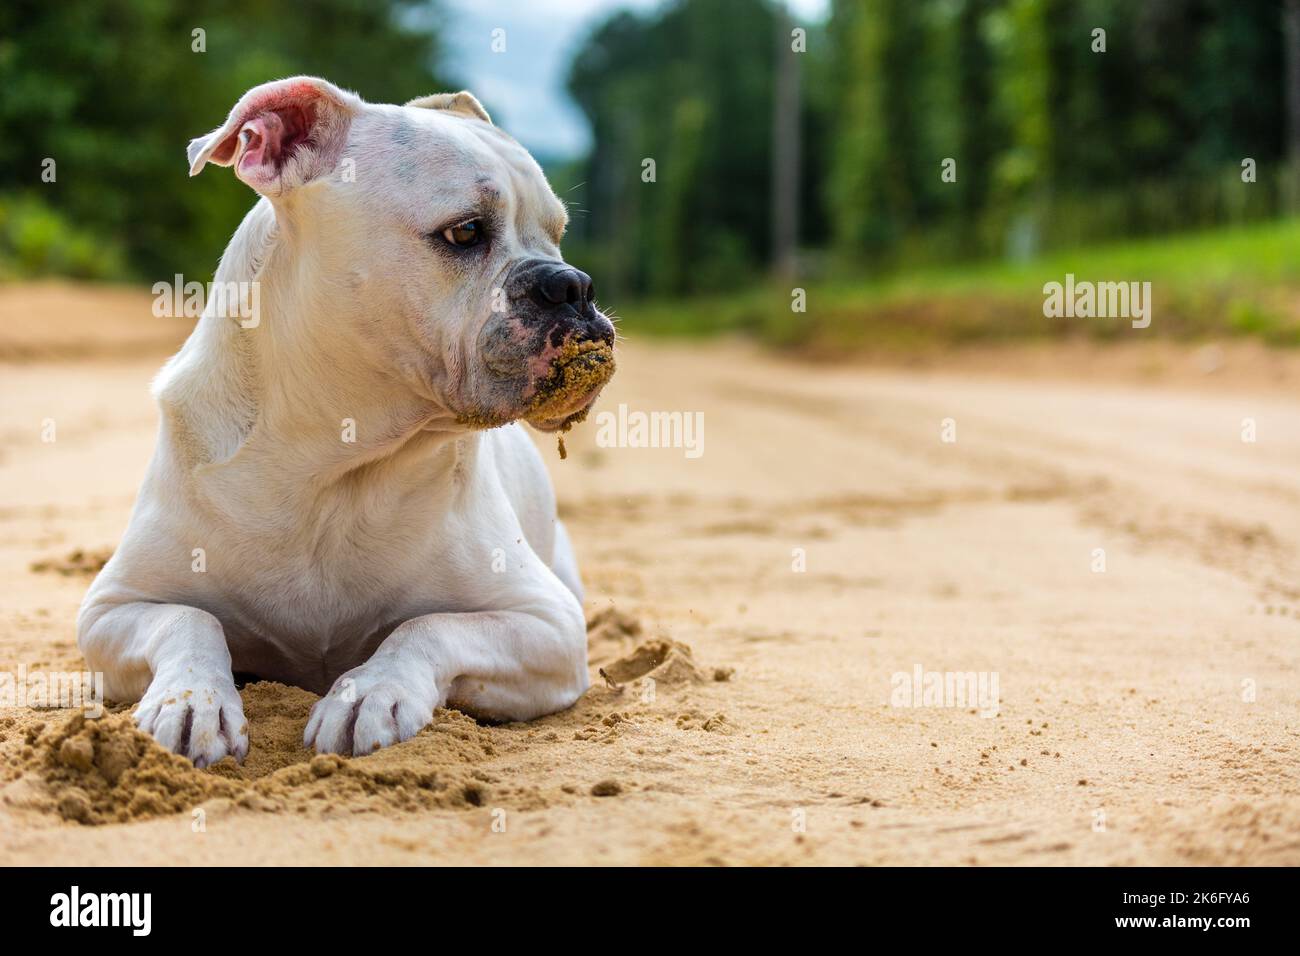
[
  {"x": 269, "y": 138},
  {"x": 280, "y": 135},
  {"x": 463, "y": 102}
]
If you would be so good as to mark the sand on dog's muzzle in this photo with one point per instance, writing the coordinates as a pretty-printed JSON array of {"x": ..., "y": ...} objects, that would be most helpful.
[{"x": 578, "y": 372}]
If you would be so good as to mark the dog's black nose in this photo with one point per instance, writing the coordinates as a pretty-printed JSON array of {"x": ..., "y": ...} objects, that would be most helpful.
[
  {"x": 557, "y": 301},
  {"x": 561, "y": 284}
]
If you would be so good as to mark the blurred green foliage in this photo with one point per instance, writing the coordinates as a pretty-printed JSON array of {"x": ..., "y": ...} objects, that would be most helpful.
[
  {"x": 1240, "y": 281},
  {"x": 689, "y": 89},
  {"x": 1056, "y": 144},
  {"x": 113, "y": 90},
  {"x": 35, "y": 240}
]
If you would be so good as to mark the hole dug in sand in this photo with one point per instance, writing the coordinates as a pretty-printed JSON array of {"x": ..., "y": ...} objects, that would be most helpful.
[
  {"x": 107, "y": 771},
  {"x": 103, "y": 771}
]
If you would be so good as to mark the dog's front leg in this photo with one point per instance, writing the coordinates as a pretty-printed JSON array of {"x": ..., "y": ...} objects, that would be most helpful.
[
  {"x": 504, "y": 665},
  {"x": 175, "y": 661}
]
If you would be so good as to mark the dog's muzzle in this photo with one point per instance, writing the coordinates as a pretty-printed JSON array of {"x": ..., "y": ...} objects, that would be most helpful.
[{"x": 550, "y": 349}]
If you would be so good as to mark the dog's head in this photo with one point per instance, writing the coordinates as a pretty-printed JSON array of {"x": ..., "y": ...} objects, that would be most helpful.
[{"x": 428, "y": 241}]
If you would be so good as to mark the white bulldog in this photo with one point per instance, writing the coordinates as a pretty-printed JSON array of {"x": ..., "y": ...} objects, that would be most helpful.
[{"x": 338, "y": 499}]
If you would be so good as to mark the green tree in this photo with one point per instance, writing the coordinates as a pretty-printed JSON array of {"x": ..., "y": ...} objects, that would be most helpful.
[
  {"x": 882, "y": 156},
  {"x": 113, "y": 90},
  {"x": 689, "y": 87}
]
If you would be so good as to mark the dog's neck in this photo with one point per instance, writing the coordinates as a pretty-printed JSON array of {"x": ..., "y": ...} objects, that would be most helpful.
[{"x": 286, "y": 400}]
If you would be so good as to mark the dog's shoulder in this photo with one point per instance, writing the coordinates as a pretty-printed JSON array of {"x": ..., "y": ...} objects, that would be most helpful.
[{"x": 206, "y": 391}]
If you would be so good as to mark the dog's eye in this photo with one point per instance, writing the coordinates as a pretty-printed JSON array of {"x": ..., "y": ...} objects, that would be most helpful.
[{"x": 464, "y": 234}]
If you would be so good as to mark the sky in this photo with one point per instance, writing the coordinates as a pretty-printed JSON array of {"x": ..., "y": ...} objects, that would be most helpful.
[{"x": 523, "y": 88}]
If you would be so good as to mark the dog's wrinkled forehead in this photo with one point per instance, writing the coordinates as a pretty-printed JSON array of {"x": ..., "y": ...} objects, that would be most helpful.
[{"x": 437, "y": 165}]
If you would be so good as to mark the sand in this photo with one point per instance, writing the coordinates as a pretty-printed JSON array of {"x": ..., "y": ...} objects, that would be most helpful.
[{"x": 740, "y": 710}]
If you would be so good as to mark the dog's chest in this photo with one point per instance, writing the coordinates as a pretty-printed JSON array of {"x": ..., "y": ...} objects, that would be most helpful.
[
  {"x": 336, "y": 579},
  {"x": 311, "y": 574},
  {"x": 307, "y": 624},
  {"x": 358, "y": 581}
]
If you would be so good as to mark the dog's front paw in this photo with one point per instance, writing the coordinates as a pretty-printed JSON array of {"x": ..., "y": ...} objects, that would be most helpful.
[
  {"x": 195, "y": 715},
  {"x": 366, "y": 709}
]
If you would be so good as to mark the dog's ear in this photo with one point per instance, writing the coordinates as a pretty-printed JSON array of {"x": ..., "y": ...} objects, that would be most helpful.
[
  {"x": 281, "y": 135},
  {"x": 463, "y": 102}
]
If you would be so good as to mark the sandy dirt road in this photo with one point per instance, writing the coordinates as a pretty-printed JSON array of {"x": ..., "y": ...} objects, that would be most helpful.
[{"x": 1147, "y": 713}]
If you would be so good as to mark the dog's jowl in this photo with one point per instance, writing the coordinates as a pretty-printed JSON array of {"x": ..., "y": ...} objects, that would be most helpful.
[{"x": 334, "y": 485}]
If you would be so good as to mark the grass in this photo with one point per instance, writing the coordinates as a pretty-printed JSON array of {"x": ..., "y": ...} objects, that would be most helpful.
[{"x": 1241, "y": 281}]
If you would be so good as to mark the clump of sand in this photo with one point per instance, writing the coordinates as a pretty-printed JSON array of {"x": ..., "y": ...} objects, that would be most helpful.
[
  {"x": 614, "y": 645},
  {"x": 665, "y": 661},
  {"x": 107, "y": 771}
]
